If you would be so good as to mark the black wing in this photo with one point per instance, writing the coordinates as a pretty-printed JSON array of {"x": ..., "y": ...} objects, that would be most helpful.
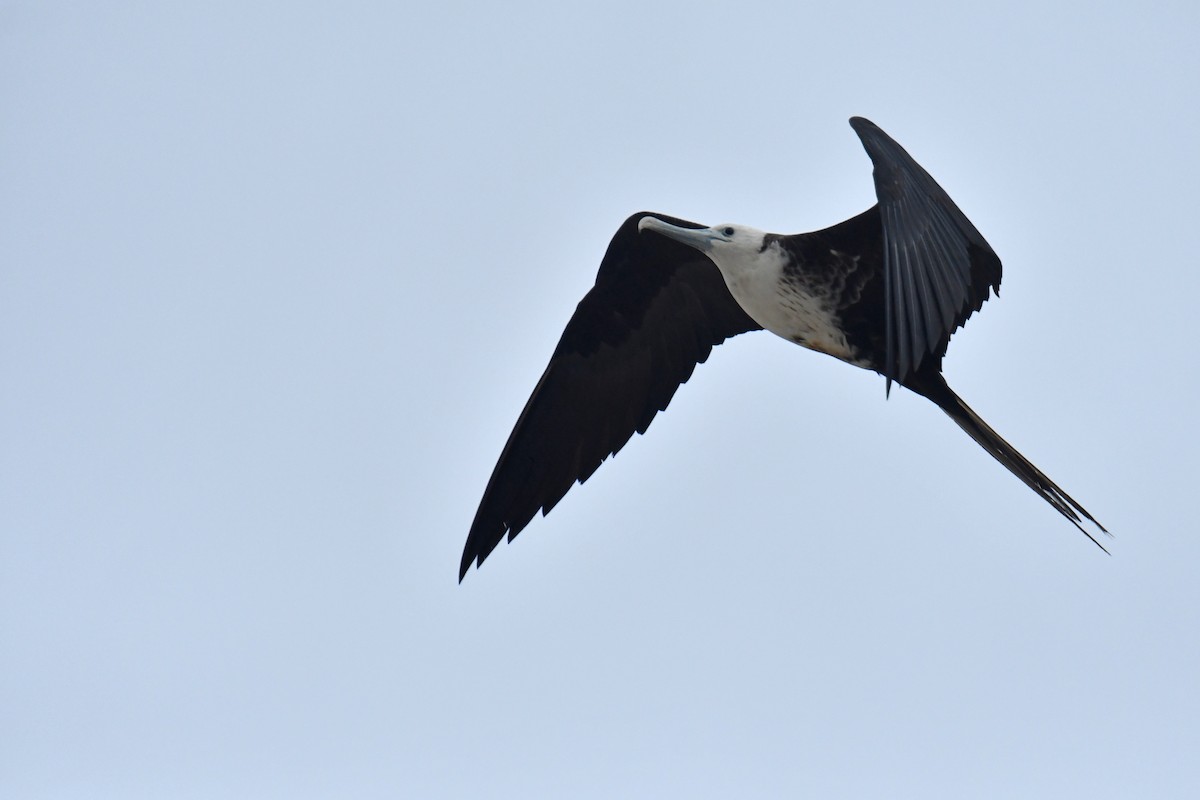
[
  {"x": 937, "y": 266},
  {"x": 657, "y": 310}
]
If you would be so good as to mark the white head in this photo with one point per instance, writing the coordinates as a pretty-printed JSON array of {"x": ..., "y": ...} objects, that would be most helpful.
[{"x": 733, "y": 248}]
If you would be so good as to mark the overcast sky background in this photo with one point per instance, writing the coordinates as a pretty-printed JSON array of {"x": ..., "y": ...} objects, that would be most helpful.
[{"x": 277, "y": 278}]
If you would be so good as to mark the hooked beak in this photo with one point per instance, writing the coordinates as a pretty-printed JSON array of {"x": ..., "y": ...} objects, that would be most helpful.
[{"x": 699, "y": 238}]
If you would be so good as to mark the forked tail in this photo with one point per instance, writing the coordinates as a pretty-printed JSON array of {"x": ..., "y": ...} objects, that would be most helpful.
[{"x": 933, "y": 386}]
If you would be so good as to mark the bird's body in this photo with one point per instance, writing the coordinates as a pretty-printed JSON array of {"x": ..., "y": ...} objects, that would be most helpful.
[
  {"x": 801, "y": 305},
  {"x": 882, "y": 291}
]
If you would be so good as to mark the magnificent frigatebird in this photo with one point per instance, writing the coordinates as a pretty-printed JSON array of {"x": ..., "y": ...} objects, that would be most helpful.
[{"x": 883, "y": 291}]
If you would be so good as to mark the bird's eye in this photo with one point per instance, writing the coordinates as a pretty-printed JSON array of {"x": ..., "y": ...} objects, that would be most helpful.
[{"x": 727, "y": 231}]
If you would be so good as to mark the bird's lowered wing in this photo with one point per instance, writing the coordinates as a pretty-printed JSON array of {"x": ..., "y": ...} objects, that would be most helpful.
[
  {"x": 938, "y": 268},
  {"x": 657, "y": 309}
]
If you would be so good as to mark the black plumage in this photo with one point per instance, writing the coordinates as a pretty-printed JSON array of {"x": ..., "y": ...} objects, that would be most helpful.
[
  {"x": 898, "y": 279},
  {"x": 657, "y": 309}
]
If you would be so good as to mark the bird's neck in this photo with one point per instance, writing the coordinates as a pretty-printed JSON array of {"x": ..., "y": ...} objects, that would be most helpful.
[{"x": 753, "y": 276}]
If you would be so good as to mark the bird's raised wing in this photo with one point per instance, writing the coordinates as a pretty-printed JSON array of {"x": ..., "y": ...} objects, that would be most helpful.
[
  {"x": 657, "y": 309},
  {"x": 937, "y": 267}
]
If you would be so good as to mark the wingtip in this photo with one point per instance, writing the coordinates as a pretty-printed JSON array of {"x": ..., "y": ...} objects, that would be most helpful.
[
  {"x": 464, "y": 566},
  {"x": 859, "y": 124}
]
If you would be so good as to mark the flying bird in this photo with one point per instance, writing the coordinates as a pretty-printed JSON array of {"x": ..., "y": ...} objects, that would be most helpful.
[{"x": 882, "y": 291}]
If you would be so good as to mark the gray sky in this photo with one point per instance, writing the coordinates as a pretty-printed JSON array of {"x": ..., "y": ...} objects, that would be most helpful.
[{"x": 276, "y": 282}]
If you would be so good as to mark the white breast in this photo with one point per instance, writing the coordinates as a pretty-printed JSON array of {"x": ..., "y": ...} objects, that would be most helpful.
[{"x": 786, "y": 306}]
